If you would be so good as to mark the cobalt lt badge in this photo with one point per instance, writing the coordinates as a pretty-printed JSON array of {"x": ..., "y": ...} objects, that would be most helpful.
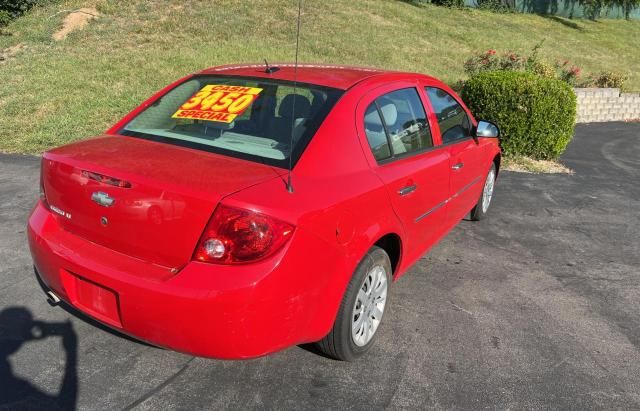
[{"x": 103, "y": 199}]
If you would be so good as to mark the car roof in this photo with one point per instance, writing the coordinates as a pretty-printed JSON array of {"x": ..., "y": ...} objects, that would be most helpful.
[{"x": 334, "y": 76}]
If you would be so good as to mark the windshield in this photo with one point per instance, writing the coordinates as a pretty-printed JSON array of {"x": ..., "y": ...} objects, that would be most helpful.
[{"x": 254, "y": 119}]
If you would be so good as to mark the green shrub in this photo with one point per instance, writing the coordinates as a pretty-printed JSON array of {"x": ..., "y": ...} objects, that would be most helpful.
[
  {"x": 536, "y": 115},
  {"x": 458, "y": 4},
  {"x": 568, "y": 73},
  {"x": 5, "y": 18},
  {"x": 544, "y": 69},
  {"x": 491, "y": 60},
  {"x": 10, "y": 9},
  {"x": 593, "y": 8},
  {"x": 497, "y": 6},
  {"x": 605, "y": 79}
]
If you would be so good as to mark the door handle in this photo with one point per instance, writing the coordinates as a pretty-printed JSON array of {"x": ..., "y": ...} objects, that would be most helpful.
[
  {"x": 407, "y": 190},
  {"x": 457, "y": 166}
]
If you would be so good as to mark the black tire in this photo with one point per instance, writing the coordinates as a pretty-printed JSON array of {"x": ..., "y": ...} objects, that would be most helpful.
[
  {"x": 339, "y": 343},
  {"x": 477, "y": 213}
]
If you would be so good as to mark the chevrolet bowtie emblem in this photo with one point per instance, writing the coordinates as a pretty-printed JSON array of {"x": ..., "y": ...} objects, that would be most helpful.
[{"x": 103, "y": 199}]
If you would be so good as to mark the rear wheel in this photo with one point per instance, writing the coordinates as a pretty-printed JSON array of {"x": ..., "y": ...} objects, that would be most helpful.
[
  {"x": 482, "y": 207},
  {"x": 361, "y": 309}
]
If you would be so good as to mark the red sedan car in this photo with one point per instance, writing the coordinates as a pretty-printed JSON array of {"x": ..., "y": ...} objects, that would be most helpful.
[{"x": 245, "y": 209}]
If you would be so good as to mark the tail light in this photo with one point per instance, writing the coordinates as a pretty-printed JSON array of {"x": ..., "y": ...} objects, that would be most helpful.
[
  {"x": 236, "y": 236},
  {"x": 43, "y": 194}
]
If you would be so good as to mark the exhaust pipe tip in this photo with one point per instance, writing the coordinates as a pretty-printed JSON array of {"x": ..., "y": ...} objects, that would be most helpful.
[{"x": 52, "y": 299}]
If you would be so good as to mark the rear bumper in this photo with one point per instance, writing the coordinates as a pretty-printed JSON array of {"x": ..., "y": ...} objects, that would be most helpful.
[{"x": 206, "y": 310}]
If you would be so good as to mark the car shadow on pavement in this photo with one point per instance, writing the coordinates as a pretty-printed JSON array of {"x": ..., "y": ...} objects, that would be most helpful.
[{"x": 17, "y": 327}]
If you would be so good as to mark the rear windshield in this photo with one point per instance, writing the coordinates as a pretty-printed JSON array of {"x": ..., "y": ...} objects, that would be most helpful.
[{"x": 254, "y": 119}]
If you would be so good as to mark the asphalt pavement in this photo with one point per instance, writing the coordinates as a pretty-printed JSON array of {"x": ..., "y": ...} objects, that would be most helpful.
[{"x": 536, "y": 307}]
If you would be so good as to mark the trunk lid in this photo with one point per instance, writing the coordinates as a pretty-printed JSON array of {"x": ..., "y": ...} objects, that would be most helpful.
[{"x": 141, "y": 198}]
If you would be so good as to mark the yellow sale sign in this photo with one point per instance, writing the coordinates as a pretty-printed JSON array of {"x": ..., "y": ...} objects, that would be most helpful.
[{"x": 218, "y": 102}]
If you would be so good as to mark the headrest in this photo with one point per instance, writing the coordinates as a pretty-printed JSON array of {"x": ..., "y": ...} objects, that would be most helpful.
[
  {"x": 265, "y": 102},
  {"x": 389, "y": 111},
  {"x": 302, "y": 106},
  {"x": 372, "y": 120}
]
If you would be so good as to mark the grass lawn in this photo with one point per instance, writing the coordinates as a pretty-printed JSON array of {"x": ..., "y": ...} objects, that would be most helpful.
[
  {"x": 527, "y": 165},
  {"x": 54, "y": 92}
]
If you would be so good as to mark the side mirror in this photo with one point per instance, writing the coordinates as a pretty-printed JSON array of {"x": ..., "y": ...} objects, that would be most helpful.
[{"x": 487, "y": 129}]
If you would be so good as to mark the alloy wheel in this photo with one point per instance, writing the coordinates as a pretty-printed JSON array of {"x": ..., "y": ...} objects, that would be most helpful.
[
  {"x": 369, "y": 306},
  {"x": 487, "y": 192}
]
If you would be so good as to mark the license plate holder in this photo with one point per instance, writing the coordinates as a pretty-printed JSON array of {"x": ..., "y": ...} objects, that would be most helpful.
[{"x": 93, "y": 299}]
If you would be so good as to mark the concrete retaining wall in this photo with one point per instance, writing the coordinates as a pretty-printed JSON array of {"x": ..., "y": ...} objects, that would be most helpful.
[{"x": 607, "y": 104}]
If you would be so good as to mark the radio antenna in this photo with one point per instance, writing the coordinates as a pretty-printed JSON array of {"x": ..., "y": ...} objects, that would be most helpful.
[{"x": 293, "y": 106}]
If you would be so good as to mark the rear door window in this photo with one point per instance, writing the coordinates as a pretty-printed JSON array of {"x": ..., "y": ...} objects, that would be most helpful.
[
  {"x": 452, "y": 118},
  {"x": 396, "y": 125}
]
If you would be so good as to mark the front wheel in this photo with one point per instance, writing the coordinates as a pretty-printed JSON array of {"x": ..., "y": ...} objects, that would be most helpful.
[
  {"x": 361, "y": 309},
  {"x": 480, "y": 210}
]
